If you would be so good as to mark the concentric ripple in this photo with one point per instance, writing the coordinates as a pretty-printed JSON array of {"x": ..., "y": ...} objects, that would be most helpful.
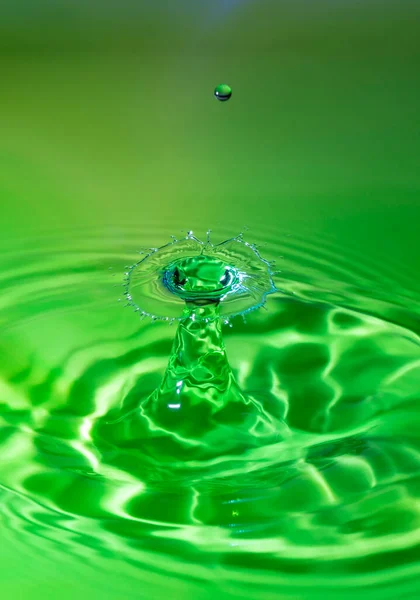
[{"x": 332, "y": 507}]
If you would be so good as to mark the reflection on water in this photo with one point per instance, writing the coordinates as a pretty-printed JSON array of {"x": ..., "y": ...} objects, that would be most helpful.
[{"x": 330, "y": 506}]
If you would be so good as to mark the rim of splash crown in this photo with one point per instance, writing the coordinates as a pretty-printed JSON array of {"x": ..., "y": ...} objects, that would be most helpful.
[{"x": 226, "y": 318}]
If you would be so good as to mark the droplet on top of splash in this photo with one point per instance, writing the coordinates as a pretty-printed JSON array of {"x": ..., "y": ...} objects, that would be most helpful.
[{"x": 231, "y": 274}]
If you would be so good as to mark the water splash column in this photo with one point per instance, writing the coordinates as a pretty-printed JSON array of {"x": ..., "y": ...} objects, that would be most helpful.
[
  {"x": 198, "y": 406},
  {"x": 198, "y": 381}
]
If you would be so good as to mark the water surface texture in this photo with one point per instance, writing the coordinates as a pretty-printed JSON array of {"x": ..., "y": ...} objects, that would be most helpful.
[{"x": 331, "y": 505}]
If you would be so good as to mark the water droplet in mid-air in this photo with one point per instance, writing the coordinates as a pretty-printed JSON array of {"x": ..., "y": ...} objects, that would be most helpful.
[{"x": 223, "y": 92}]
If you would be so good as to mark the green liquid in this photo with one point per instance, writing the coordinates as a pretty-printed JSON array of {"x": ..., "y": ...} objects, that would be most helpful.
[
  {"x": 111, "y": 141},
  {"x": 288, "y": 470}
]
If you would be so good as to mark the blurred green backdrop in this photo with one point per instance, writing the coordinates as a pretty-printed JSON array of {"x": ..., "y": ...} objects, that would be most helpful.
[{"x": 107, "y": 116}]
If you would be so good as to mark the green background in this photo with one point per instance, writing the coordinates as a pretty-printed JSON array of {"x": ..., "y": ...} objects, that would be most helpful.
[
  {"x": 108, "y": 116},
  {"x": 108, "y": 120}
]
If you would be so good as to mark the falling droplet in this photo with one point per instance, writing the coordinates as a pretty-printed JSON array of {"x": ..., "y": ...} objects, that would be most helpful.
[{"x": 223, "y": 92}]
